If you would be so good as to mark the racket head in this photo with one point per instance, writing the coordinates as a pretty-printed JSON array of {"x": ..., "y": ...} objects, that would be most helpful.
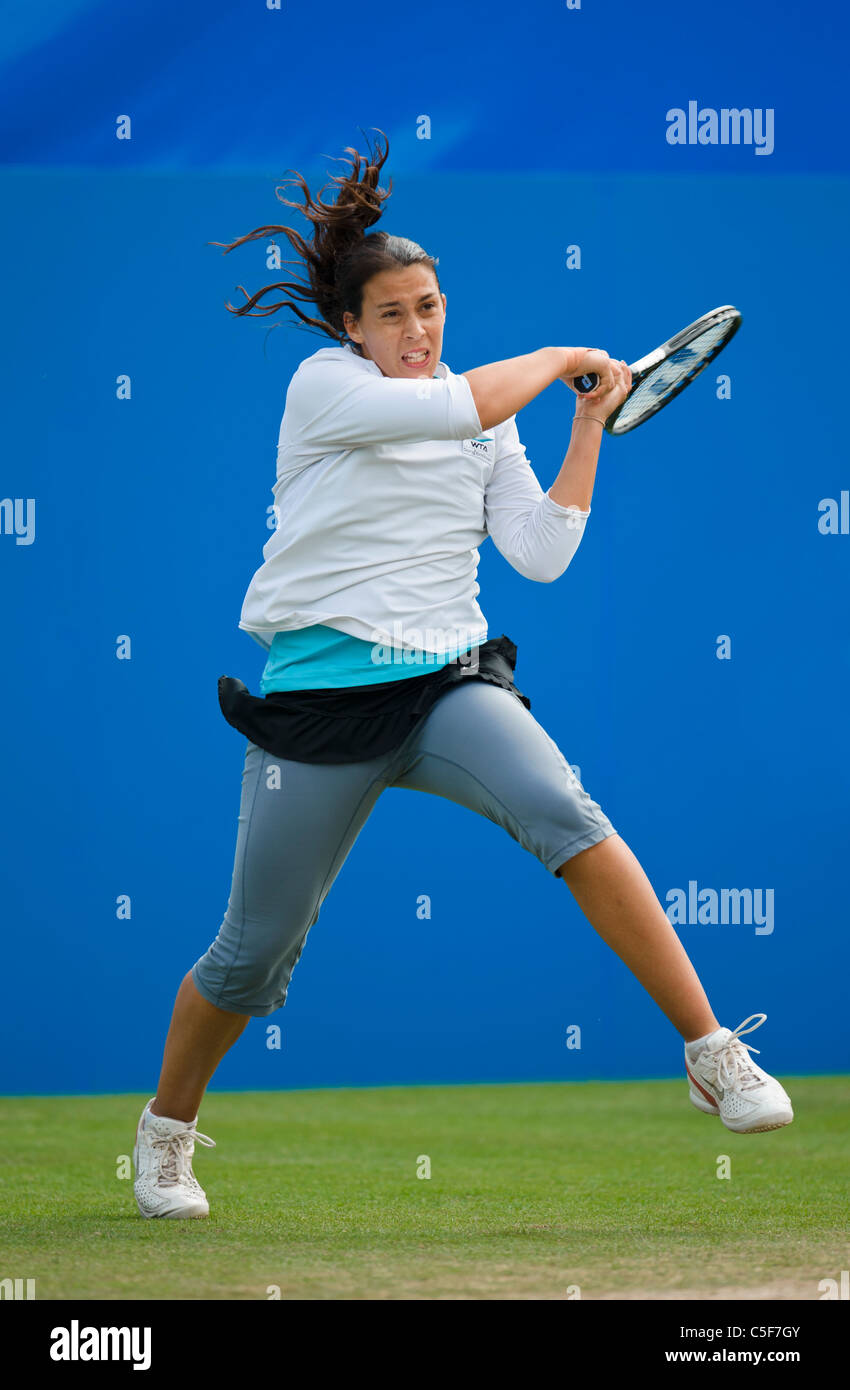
[{"x": 664, "y": 373}]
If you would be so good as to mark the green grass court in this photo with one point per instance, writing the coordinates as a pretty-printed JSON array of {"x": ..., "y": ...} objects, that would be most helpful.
[{"x": 608, "y": 1186}]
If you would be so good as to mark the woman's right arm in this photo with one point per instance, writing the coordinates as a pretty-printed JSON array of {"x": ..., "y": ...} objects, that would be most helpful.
[
  {"x": 333, "y": 403},
  {"x": 502, "y": 388}
]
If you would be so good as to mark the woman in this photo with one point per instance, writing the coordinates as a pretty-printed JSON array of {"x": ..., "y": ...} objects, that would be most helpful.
[{"x": 391, "y": 471}]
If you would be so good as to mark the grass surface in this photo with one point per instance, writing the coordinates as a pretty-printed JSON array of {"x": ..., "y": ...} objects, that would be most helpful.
[{"x": 533, "y": 1189}]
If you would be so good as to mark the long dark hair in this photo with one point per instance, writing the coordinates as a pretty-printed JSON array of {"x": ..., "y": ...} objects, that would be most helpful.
[{"x": 339, "y": 258}]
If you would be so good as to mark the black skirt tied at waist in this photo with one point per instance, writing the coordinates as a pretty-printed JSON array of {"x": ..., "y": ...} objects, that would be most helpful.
[{"x": 362, "y": 721}]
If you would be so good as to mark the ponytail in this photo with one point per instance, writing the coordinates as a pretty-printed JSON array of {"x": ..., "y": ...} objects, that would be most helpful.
[{"x": 339, "y": 258}]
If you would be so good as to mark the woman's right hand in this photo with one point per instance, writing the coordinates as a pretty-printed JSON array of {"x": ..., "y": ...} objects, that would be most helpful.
[{"x": 592, "y": 360}]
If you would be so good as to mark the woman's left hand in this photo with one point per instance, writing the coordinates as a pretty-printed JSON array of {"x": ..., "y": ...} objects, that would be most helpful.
[{"x": 600, "y": 404}]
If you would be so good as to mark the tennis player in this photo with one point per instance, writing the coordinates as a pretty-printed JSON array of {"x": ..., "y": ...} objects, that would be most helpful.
[{"x": 391, "y": 471}]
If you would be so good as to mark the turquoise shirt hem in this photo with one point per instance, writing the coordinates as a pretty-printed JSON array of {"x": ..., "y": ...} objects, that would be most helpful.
[{"x": 322, "y": 658}]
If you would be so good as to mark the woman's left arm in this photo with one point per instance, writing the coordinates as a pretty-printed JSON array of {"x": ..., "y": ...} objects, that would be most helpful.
[
  {"x": 535, "y": 533},
  {"x": 539, "y": 532},
  {"x": 574, "y": 484}
]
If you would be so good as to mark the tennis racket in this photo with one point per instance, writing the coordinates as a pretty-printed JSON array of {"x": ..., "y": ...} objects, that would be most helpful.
[{"x": 664, "y": 373}]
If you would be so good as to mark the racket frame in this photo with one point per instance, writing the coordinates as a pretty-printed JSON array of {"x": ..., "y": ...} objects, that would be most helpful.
[{"x": 644, "y": 366}]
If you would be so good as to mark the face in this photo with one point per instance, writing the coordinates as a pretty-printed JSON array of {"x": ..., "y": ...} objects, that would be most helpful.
[{"x": 403, "y": 312}]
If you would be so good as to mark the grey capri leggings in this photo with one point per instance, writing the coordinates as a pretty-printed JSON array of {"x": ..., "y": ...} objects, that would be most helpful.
[{"x": 478, "y": 746}]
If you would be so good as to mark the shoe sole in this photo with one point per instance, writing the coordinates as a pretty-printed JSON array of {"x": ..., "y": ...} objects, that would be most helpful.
[
  {"x": 775, "y": 1122},
  {"x": 760, "y": 1129},
  {"x": 172, "y": 1215}
]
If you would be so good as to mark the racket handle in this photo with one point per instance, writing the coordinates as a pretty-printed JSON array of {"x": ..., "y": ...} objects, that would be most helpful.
[{"x": 585, "y": 383}]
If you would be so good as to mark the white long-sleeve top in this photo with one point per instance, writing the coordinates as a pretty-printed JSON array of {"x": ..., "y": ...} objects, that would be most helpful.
[{"x": 385, "y": 489}]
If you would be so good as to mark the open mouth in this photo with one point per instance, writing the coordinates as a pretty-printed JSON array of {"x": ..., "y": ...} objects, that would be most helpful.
[{"x": 417, "y": 359}]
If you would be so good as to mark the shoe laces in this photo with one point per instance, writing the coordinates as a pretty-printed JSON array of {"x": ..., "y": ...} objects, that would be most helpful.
[
  {"x": 734, "y": 1068},
  {"x": 175, "y": 1153}
]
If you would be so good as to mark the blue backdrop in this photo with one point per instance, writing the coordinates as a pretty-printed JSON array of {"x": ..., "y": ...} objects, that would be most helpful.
[{"x": 514, "y": 135}]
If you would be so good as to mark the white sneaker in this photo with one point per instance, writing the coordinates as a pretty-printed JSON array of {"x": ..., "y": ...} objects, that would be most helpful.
[
  {"x": 165, "y": 1184},
  {"x": 724, "y": 1081}
]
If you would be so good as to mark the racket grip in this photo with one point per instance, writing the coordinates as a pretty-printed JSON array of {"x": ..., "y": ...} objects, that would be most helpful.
[{"x": 585, "y": 383}]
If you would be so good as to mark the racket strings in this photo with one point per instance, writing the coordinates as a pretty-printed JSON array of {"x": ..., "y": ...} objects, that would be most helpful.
[{"x": 673, "y": 373}]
